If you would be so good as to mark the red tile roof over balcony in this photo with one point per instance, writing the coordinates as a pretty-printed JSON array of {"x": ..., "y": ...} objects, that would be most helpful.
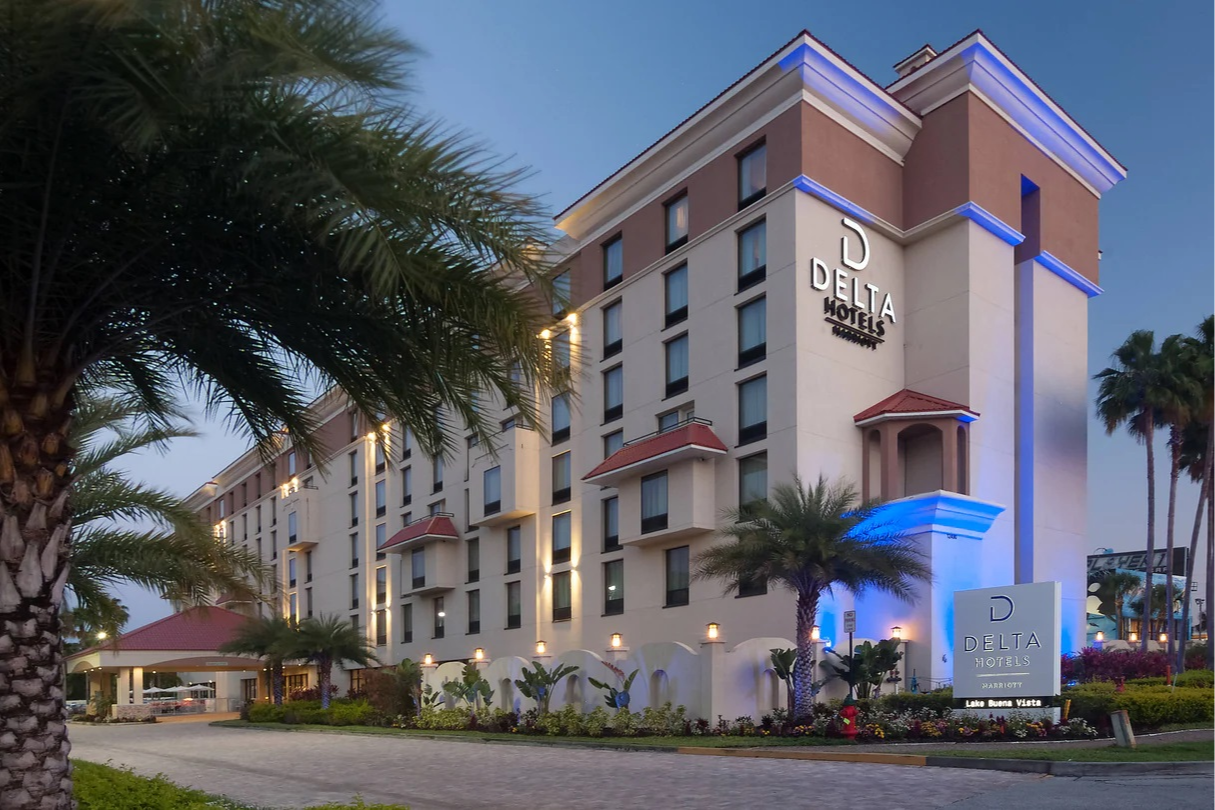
[
  {"x": 693, "y": 434},
  {"x": 199, "y": 628},
  {"x": 437, "y": 525},
  {"x": 910, "y": 403}
]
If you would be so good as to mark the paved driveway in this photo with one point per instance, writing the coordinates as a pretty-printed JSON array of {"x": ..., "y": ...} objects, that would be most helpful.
[{"x": 278, "y": 769}]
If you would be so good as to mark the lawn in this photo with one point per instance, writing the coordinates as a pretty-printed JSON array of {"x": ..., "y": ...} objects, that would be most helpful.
[{"x": 1163, "y": 752}]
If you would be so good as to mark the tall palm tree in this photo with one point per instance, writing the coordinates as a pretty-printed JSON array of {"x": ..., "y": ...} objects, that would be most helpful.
[
  {"x": 1130, "y": 394},
  {"x": 230, "y": 195},
  {"x": 329, "y": 640},
  {"x": 273, "y": 639},
  {"x": 1198, "y": 460},
  {"x": 812, "y": 541},
  {"x": 1119, "y": 585},
  {"x": 1194, "y": 461}
]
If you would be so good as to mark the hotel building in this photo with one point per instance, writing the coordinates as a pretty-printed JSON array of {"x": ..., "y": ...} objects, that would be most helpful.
[{"x": 812, "y": 274}]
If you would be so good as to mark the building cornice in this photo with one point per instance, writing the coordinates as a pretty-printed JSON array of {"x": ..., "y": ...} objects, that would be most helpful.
[
  {"x": 948, "y": 513},
  {"x": 1069, "y": 275}
]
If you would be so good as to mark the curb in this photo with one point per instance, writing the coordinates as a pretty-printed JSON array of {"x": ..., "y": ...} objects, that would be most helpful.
[
  {"x": 815, "y": 756},
  {"x": 1052, "y": 768}
]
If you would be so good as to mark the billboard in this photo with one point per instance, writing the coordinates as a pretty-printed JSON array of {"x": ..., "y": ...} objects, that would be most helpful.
[{"x": 1137, "y": 561}]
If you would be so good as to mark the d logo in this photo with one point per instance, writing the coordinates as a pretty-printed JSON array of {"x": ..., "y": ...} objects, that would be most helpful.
[
  {"x": 1007, "y": 615},
  {"x": 864, "y": 260}
]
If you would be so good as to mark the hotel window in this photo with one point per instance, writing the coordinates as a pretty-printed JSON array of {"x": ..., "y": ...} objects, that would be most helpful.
[
  {"x": 436, "y": 471},
  {"x": 613, "y": 442},
  {"x": 561, "y": 293},
  {"x": 292, "y": 683},
  {"x": 611, "y": 524},
  {"x": 561, "y": 418},
  {"x": 677, "y": 223},
  {"x": 381, "y": 535},
  {"x": 613, "y": 331},
  {"x": 613, "y": 394},
  {"x": 273, "y": 545},
  {"x": 232, "y": 532},
  {"x": 381, "y": 585},
  {"x": 307, "y": 566},
  {"x": 677, "y": 365},
  {"x": 406, "y": 519},
  {"x": 244, "y": 526},
  {"x": 417, "y": 567},
  {"x": 354, "y": 622},
  {"x": 257, "y": 482},
  {"x": 292, "y": 527},
  {"x": 752, "y": 479},
  {"x": 257, "y": 520},
  {"x": 562, "y": 601},
  {"x": 407, "y": 623},
  {"x": 274, "y": 511},
  {"x": 613, "y": 263},
  {"x": 437, "y": 507},
  {"x": 354, "y": 551},
  {"x": 291, "y": 463},
  {"x": 561, "y": 478},
  {"x": 307, "y": 603},
  {"x": 259, "y": 548},
  {"x": 675, "y": 284},
  {"x": 474, "y": 559},
  {"x": 514, "y": 605},
  {"x": 381, "y": 498},
  {"x": 677, "y": 576},
  {"x": 561, "y": 350},
  {"x": 244, "y": 494},
  {"x": 406, "y": 486},
  {"x": 654, "y": 502},
  {"x": 381, "y": 629},
  {"x": 753, "y": 410},
  {"x": 354, "y": 508},
  {"x": 752, "y": 175},
  {"x": 380, "y": 461},
  {"x": 291, "y": 571},
  {"x": 752, "y": 255},
  {"x": 493, "y": 490},
  {"x": 294, "y": 608},
  {"x": 406, "y": 443},
  {"x": 354, "y": 591},
  {"x": 752, "y": 332},
  {"x": 354, "y": 468},
  {"x": 514, "y": 549},
  {"x": 613, "y": 588},
  {"x": 474, "y": 612},
  {"x": 440, "y": 617},
  {"x": 561, "y": 537},
  {"x": 223, "y": 507},
  {"x": 354, "y": 426}
]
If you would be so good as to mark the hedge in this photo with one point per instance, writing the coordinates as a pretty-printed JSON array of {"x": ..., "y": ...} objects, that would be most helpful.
[
  {"x": 339, "y": 713},
  {"x": 1148, "y": 706}
]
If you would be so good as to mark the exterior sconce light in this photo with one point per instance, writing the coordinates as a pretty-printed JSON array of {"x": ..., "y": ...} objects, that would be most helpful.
[
  {"x": 714, "y": 627},
  {"x": 428, "y": 660},
  {"x": 103, "y": 635},
  {"x": 1164, "y": 638},
  {"x": 815, "y": 633},
  {"x": 1100, "y": 636},
  {"x": 479, "y": 654},
  {"x": 617, "y": 640},
  {"x": 442, "y": 614},
  {"x": 896, "y": 633},
  {"x": 541, "y": 648},
  {"x": 1133, "y": 637}
]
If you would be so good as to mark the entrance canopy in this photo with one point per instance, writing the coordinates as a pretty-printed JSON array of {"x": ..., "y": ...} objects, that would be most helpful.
[{"x": 184, "y": 642}]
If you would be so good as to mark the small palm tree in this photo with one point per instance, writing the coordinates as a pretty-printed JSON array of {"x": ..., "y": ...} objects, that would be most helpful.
[
  {"x": 812, "y": 541},
  {"x": 1119, "y": 585},
  {"x": 272, "y": 639},
  {"x": 328, "y": 640}
]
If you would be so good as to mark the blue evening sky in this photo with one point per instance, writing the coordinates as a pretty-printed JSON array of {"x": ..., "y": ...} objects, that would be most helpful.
[{"x": 575, "y": 90}]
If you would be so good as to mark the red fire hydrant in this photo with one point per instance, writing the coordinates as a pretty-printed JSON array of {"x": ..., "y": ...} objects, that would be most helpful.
[{"x": 848, "y": 713}]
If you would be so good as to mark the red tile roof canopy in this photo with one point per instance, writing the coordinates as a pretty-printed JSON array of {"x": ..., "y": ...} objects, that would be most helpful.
[
  {"x": 439, "y": 525},
  {"x": 908, "y": 404},
  {"x": 198, "y": 628},
  {"x": 695, "y": 434}
]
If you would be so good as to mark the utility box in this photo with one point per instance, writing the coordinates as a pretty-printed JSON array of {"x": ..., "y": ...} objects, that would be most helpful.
[{"x": 1124, "y": 735}]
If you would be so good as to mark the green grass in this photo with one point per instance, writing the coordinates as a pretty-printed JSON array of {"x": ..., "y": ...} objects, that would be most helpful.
[
  {"x": 1164, "y": 752},
  {"x": 101, "y": 787}
]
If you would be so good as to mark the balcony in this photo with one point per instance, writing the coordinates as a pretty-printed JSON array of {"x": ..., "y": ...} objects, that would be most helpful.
[
  {"x": 690, "y": 440},
  {"x": 518, "y": 459},
  {"x": 302, "y": 500},
  {"x": 436, "y": 537}
]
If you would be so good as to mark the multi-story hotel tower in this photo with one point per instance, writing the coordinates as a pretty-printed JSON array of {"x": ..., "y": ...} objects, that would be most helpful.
[{"x": 813, "y": 274}]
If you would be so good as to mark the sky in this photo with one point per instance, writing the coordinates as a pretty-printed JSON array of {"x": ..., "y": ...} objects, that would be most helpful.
[{"x": 575, "y": 90}]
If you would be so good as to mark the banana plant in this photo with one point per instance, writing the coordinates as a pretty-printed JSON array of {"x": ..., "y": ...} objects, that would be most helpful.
[
  {"x": 616, "y": 698},
  {"x": 537, "y": 683},
  {"x": 472, "y": 688}
]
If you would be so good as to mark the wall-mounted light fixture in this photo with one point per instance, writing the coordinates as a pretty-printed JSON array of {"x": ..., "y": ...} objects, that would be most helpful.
[
  {"x": 896, "y": 633},
  {"x": 428, "y": 660},
  {"x": 815, "y": 633},
  {"x": 713, "y": 629},
  {"x": 541, "y": 648},
  {"x": 617, "y": 641},
  {"x": 479, "y": 654}
]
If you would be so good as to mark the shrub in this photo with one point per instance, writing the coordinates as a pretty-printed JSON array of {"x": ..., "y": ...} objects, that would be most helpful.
[
  {"x": 311, "y": 693},
  {"x": 433, "y": 719},
  {"x": 1197, "y": 678},
  {"x": 1148, "y": 706},
  {"x": 1091, "y": 664},
  {"x": 1196, "y": 656},
  {"x": 266, "y": 713},
  {"x": 938, "y": 701},
  {"x": 357, "y": 713}
]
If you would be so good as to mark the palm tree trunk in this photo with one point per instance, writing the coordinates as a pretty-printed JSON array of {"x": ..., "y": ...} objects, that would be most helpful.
[
  {"x": 35, "y": 522},
  {"x": 1210, "y": 479},
  {"x": 803, "y": 667},
  {"x": 324, "y": 670},
  {"x": 1149, "y": 437},
  {"x": 276, "y": 681},
  {"x": 1186, "y": 621},
  {"x": 1174, "y": 472}
]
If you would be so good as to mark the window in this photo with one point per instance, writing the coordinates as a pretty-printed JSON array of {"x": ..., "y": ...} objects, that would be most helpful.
[
  {"x": 307, "y": 566},
  {"x": 354, "y": 508},
  {"x": 406, "y": 443},
  {"x": 354, "y": 551},
  {"x": 381, "y": 585},
  {"x": 493, "y": 490},
  {"x": 354, "y": 425},
  {"x": 437, "y": 473},
  {"x": 417, "y": 567},
  {"x": 406, "y": 519},
  {"x": 613, "y": 442},
  {"x": 474, "y": 559},
  {"x": 752, "y": 587},
  {"x": 274, "y": 511},
  {"x": 613, "y": 588},
  {"x": 561, "y": 350},
  {"x": 291, "y": 571},
  {"x": 244, "y": 526},
  {"x": 677, "y": 365},
  {"x": 292, "y": 527},
  {"x": 677, "y": 223},
  {"x": 354, "y": 591},
  {"x": 380, "y": 461},
  {"x": 407, "y": 624},
  {"x": 752, "y": 176},
  {"x": 676, "y": 285},
  {"x": 752, "y": 254},
  {"x": 668, "y": 421},
  {"x": 223, "y": 507},
  {"x": 291, "y": 463},
  {"x": 257, "y": 520},
  {"x": 514, "y": 549},
  {"x": 561, "y": 418},
  {"x": 561, "y": 293},
  {"x": 514, "y": 605},
  {"x": 308, "y": 603},
  {"x": 437, "y": 507},
  {"x": 677, "y": 576},
  {"x": 354, "y": 468},
  {"x": 406, "y": 486},
  {"x": 273, "y": 545},
  {"x": 381, "y": 536},
  {"x": 613, "y": 394},
  {"x": 753, "y": 410},
  {"x": 474, "y": 612},
  {"x": 561, "y": 478},
  {"x": 613, "y": 263},
  {"x": 293, "y": 607},
  {"x": 562, "y": 601},
  {"x": 561, "y": 537},
  {"x": 292, "y": 683},
  {"x": 654, "y": 502},
  {"x": 381, "y": 628},
  {"x": 613, "y": 330},
  {"x": 440, "y": 616},
  {"x": 752, "y": 332},
  {"x": 381, "y": 498},
  {"x": 257, "y": 482},
  {"x": 752, "y": 478},
  {"x": 611, "y": 524},
  {"x": 232, "y": 532}
]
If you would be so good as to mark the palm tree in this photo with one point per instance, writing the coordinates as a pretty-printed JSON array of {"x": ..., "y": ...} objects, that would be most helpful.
[
  {"x": 1119, "y": 585},
  {"x": 1152, "y": 610},
  {"x": 230, "y": 195},
  {"x": 812, "y": 541},
  {"x": 1131, "y": 394},
  {"x": 273, "y": 639},
  {"x": 327, "y": 640}
]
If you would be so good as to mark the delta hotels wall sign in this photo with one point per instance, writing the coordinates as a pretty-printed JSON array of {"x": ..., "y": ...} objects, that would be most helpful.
[
  {"x": 858, "y": 311},
  {"x": 1006, "y": 646}
]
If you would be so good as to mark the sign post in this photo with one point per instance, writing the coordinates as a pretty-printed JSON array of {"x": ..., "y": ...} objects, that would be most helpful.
[
  {"x": 850, "y": 628},
  {"x": 1006, "y": 647}
]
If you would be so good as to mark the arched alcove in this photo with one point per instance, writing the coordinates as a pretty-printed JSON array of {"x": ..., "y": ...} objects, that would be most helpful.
[
  {"x": 772, "y": 693},
  {"x": 963, "y": 438},
  {"x": 921, "y": 456},
  {"x": 660, "y": 689}
]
